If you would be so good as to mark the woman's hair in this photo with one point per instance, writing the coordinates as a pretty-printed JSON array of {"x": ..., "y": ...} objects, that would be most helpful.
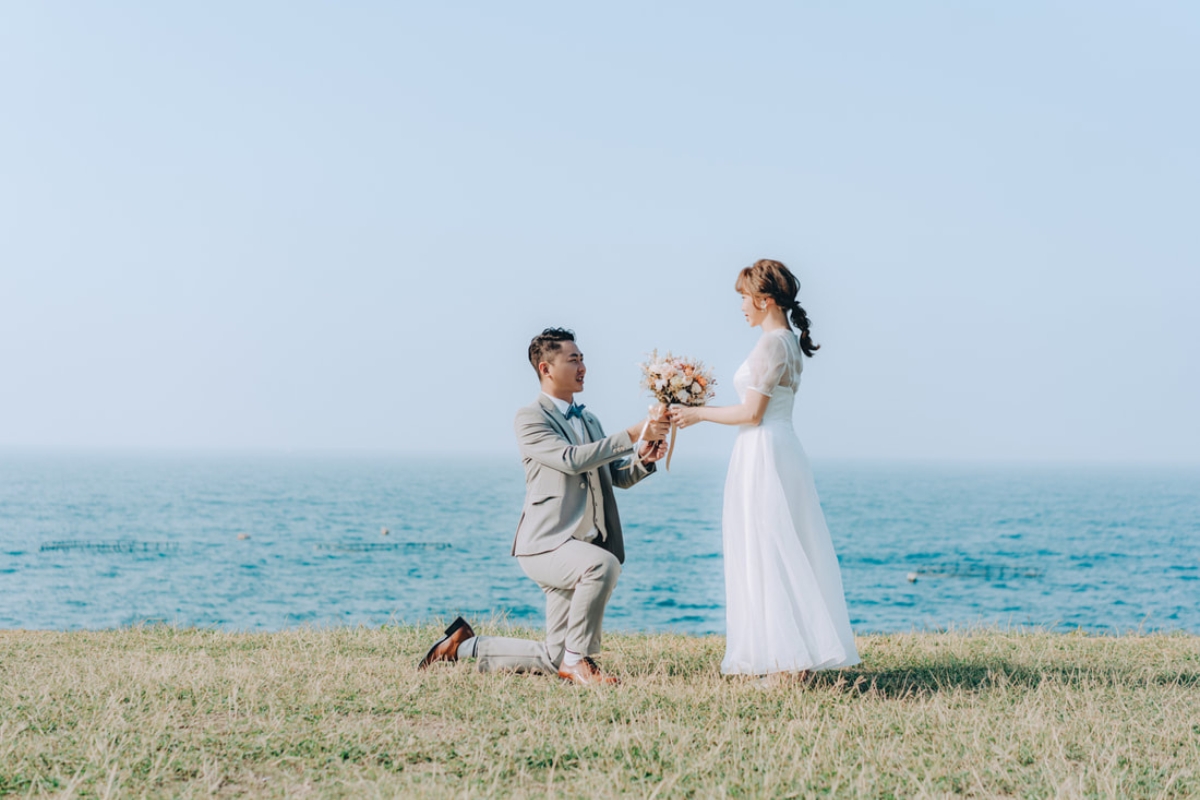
[
  {"x": 767, "y": 278},
  {"x": 546, "y": 343}
]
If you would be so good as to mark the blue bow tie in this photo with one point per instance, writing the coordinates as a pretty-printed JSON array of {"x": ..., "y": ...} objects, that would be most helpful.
[{"x": 575, "y": 410}]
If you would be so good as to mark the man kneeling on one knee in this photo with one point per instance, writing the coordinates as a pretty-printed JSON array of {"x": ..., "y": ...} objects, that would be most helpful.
[{"x": 569, "y": 537}]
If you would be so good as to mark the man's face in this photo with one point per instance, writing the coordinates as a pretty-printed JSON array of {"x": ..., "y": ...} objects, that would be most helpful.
[{"x": 562, "y": 375}]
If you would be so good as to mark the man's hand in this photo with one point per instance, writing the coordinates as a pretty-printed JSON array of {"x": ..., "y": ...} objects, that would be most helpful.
[
  {"x": 656, "y": 430},
  {"x": 653, "y": 451}
]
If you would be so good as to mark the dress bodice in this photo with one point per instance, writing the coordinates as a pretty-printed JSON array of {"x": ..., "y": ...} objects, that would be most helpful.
[{"x": 773, "y": 368}]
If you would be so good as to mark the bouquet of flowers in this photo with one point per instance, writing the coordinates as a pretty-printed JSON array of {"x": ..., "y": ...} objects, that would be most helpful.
[{"x": 672, "y": 379}]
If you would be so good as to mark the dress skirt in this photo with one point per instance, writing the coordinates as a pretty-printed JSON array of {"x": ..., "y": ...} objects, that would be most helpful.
[{"x": 785, "y": 607}]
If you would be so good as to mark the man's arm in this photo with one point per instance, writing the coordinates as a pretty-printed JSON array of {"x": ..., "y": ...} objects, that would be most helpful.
[
  {"x": 539, "y": 440},
  {"x": 629, "y": 471}
]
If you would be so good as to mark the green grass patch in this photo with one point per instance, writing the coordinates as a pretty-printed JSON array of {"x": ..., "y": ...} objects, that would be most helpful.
[{"x": 167, "y": 712}]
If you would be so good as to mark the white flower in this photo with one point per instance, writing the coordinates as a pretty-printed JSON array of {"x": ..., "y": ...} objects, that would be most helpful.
[{"x": 681, "y": 395}]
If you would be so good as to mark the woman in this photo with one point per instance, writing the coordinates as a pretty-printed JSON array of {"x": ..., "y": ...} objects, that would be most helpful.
[{"x": 785, "y": 610}]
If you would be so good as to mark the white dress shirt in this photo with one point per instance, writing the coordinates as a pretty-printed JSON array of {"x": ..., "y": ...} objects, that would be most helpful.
[{"x": 575, "y": 422}]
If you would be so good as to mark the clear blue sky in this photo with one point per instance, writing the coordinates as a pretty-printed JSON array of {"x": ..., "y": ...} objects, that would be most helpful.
[{"x": 336, "y": 225}]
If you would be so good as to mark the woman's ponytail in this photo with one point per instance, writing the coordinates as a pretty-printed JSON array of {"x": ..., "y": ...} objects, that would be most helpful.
[{"x": 802, "y": 323}]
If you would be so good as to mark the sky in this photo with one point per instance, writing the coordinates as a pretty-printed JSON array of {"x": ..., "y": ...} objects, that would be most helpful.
[{"x": 300, "y": 226}]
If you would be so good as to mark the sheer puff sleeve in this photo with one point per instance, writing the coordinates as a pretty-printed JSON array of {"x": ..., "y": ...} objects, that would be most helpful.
[{"x": 767, "y": 364}]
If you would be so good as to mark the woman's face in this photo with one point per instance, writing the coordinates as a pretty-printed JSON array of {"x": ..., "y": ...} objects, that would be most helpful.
[{"x": 754, "y": 315}]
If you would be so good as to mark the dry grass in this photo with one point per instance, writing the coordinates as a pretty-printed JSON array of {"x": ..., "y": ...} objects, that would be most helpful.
[{"x": 342, "y": 713}]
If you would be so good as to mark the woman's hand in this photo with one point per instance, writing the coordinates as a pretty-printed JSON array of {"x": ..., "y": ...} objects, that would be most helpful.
[{"x": 683, "y": 416}]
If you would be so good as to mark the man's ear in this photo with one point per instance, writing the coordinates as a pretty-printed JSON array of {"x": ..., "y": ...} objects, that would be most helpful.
[{"x": 543, "y": 369}]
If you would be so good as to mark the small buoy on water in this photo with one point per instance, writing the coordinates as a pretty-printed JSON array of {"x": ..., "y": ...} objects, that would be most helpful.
[
  {"x": 912, "y": 577},
  {"x": 243, "y": 536},
  {"x": 384, "y": 531}
]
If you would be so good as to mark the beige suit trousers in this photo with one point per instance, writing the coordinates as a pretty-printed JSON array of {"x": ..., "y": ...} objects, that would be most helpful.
[{"x": 577, "y": 579}]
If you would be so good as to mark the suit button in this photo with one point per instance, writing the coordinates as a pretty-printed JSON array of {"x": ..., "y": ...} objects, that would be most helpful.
[{"x": 583, "y": 485}]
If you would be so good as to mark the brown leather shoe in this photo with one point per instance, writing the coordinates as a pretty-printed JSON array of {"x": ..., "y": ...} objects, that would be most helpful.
[
  {"x": 586, "y": 673},
  {"x": 446, "y": 648}
]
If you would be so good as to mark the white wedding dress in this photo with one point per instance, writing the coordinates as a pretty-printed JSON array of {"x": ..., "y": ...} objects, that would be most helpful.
[{"x": 785, "y": 610}]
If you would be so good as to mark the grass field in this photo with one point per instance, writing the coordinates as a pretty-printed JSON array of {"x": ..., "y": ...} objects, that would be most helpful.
[{"x": 162, "y": 712}]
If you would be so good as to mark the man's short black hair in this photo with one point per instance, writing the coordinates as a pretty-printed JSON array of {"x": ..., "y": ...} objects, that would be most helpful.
[{"x": 545, "y": 344}]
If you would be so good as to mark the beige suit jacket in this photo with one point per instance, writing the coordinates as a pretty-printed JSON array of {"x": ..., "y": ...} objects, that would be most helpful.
[{"x": 565, "y": 480}]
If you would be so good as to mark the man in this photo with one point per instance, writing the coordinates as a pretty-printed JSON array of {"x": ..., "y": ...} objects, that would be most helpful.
[{"x": 569, "y": 537}]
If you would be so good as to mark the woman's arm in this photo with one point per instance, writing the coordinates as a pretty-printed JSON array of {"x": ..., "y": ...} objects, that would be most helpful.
[{"x": 750, "y": 412}]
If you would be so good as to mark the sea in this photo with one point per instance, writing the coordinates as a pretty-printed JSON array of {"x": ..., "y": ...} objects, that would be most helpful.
[{"x": 265, "y": 543}]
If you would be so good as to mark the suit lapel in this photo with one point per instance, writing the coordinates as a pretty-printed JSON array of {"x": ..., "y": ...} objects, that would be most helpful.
[{"x": 557, "y": 418}]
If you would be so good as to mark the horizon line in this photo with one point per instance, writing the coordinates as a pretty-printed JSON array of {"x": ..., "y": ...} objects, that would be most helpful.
[{"x": 496, "y": 454}]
